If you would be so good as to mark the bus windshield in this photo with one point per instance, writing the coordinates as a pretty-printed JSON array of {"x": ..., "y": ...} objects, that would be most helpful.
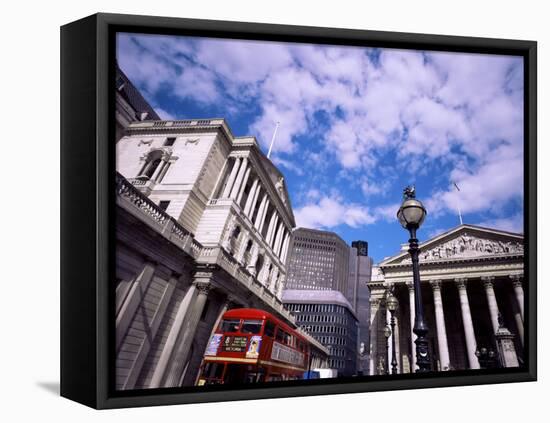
[
  {"x": 230, "y": 325},
  {"x": 252, "y": 326}
]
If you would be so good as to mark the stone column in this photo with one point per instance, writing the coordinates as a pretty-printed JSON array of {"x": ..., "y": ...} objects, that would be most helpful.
[
  {"x": 173, "y": 338},
  {"x": 252, "y": 208},
  {"x": 164, "y": 171},
  {"x": 517, "y": 315},
  {"x": 243, "y": 186},
  {"x": 442, "y": 344},
  {"x": 158, "y": 170},
  {"x": 239, "y": 180},
  {"x": 252, "y": 196},
  {"x": 278, "y": 235},
  {"x": 179, "y": 359},
  {"x": 373, "y": 350},
  {"x": 285, "y": 247},
  {"x": 232, "y": 177},
  {"x": 271, "y": 227},
  {"x": 410, "y": 286},
  {"x": 128, "y": 300},
  {"x": 260, "y": 213},
  {"x": 469, "y": 333},
  {"x": 388, "y": 356},
  {"x": 264, "y": 214},
  {"x": 518, "y": 289},
  {"x": 488, "y": 282}
]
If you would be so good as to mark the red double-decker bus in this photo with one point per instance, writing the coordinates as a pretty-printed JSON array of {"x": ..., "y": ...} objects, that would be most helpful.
[{"x": 252, "y": 345}]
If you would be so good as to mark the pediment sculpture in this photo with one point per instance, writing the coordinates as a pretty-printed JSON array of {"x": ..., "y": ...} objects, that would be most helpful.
[{"x": 467, "y": 245}]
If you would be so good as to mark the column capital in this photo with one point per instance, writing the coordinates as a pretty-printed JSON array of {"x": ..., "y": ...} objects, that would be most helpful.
[
  {"x": 203, "y": 287},
  {"x": 436, "y": 284},
  {"x": 461, "y": 282},
  {"x": 517, "y": 280},
  {"x": 488, "y": 281},
  {"x": 410, "y": 285},
  {"x": 375, "y": 302}
]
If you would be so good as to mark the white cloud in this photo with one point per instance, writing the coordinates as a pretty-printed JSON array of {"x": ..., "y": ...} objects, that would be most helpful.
[
  {"x": 164, "y": 115},
  {"x": 197, "y": 83},
  {"x": 464, "y": 111},
  {"x": 330, "y": 212},
  {"x": 510, "y": 224},
  {"x": 387, "y": 212},
  {"x": 289, "y": 165},
  {"x": 489, "y": 187}
]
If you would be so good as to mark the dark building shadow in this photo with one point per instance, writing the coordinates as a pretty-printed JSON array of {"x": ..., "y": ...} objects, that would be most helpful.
[{"x": 51, "y": 387}]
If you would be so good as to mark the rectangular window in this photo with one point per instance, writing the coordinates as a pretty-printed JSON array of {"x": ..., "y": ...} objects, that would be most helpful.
[
  {"x": 231, "y": 325},
  {"x": 169, "y": 141},
  {"x": 251, "y": 326},
  {"x": 164, "y": 204},
  {"x": 269, "y": 329}
]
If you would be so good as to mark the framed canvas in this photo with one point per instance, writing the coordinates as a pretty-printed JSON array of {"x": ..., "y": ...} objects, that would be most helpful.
[{"x": 258, "y": 211}]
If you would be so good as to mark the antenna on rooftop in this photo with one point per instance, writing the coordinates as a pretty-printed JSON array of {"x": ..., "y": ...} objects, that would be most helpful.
[
  {"x": 272, "y": 140},
  {"x": 458, "y": 204}
]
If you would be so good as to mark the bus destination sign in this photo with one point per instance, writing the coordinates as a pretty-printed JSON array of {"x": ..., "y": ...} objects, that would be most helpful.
[{"x": 234, "y": 344}]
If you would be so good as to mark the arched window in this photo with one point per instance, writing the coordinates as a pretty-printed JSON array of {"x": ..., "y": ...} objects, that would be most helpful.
[
  {"x": 151, "y": 169},
  {"x": 236, "y": 232},
  {"x": 154, "y": 167}
]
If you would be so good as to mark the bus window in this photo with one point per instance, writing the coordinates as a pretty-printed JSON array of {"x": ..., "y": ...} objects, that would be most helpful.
[
  {"x": 231, "y": 325},
  {"x": 269, "y": 328},
  {"x": 280, "y": 335},
  {"x": 288, "y": 338},
  {"x": 251, "y": 326},
  {"x": 213, "y": 370}
]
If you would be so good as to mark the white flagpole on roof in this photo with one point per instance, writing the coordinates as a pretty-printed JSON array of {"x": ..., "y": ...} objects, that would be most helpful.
[
  {"x": 272, "y": 140},
  {"x": 458, "y": 204}
]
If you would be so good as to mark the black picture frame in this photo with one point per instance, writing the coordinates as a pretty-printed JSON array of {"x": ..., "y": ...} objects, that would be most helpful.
[{"x": 87, "y": 201}]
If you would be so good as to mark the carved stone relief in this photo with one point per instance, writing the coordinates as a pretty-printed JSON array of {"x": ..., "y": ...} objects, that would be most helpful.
[{"x": 468, "y": 245}]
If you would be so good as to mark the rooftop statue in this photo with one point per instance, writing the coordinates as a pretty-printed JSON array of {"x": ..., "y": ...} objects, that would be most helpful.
[{"x": 409, "y": 192}]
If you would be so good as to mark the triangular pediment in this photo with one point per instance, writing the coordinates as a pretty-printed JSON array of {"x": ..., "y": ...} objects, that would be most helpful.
[
  {"x": 279, "y": 182},
  {"x": 464, "y": 242}
]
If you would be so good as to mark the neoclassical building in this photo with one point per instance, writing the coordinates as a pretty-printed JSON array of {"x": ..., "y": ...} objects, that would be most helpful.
[
  {"x": 203, "y": 223},
  {"x": 130, "y": 105},
  {"x": 472, "y": 293}
]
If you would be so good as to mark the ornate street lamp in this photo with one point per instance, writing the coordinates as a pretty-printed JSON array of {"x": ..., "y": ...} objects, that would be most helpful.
[
  {"x": 411, "y": 215},
  {"x": 387, "y": 334},
  {"x": 487, "y": 358},
  {"x": 391, "y": 304}
]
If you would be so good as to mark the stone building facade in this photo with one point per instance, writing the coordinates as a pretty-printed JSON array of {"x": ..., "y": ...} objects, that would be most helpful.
[
  {"x": 322, "y": 268},
  {"x": 329, "y": 317},
  {"x": 319, "y": 261},
  {"x": 203, "y": 224},
  {"x": 360, "y": 272},
  {"x": 472, "y": 291}
]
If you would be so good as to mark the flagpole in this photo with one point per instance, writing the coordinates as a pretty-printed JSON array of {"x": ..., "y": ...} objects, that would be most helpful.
[
  {"x": 272, "y": 140},
  {"x": 458, "y": 204}
]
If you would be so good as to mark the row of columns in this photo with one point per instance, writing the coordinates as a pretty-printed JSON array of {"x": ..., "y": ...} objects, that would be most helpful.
[
  {"x": 170, "y": 369},
  {"x": 469, "y": 334},
  {"x": 277, "y": 235}
]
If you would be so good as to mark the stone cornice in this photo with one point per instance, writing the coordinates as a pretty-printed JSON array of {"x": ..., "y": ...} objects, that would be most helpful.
[{"x": 461, "y": 260}]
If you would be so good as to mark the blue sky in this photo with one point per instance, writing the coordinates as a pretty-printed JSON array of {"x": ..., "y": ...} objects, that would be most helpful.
[{"x": 356, "y": 126}]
